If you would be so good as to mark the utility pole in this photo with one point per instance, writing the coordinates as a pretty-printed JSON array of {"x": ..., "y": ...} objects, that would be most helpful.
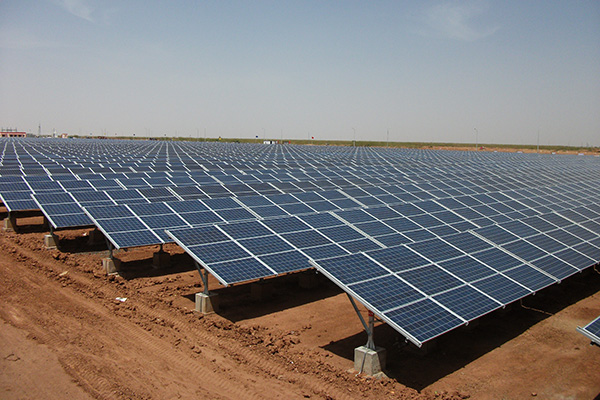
[
  {"x": 476, "y": 139},
  {"x": 354, "y": 141}
]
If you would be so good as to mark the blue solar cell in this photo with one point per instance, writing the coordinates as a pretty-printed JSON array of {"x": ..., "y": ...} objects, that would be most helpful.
[
  {"x": 62, "y": 209},
  {"x": 467, "y": 268},
  {"x": 398, "y": 258},
  {"x": 296, "y": 208},
  {"x": 355, "y": 216},
  {"x": 306, "y": 239},
  {"x": 496, "y": 234},
  {"x": 529, "y": 277},
  {"x": 265, "y": 245},
  {"x": 352, "y": 268},
  {"x": 134, "y": 238},
  {"x": 429, "y": 206},
  {"x": 519, "y": 229},
  {"x": 383, "y": 213},
  {"x": 448, "y": 217},
  {"x": 502, "y": 289},
  {"x": 497, "y": 259},
  {"x": 70, "y": 221},
  {"x": 556, "y": 220},
  {"x": 341, "y": 233},
  {"x": 580, "y": 232},
  {"x": 187, "y": 206},
  {"x": 386, "y": 293},
  {"x": 221, "y": 203},
  {"x": 555, "y": 267},
  {"x": 564, "y": 237},
  {"x": 430, "y": 279},
  {"x": 374, "y": 228},
  {"x": 230, "y": 272},
  {"x": 593, "y": 226},
  {"x": 269, "y": 211},
  {"x": 201, "y": 218},
  {"x": 589, "y": 250},
  {"x": 371, "y": 201},
  {"x": 546, "y": 243},
  {"x": 196, "y": 236},
  {"x": 284, "y": 225},
  {"x": 419, "y": 235},
  {"x": 355, "y": 246},
  {"x": 423, "y": 320},
  {"x": 161, "y": 222},
  {"x": 308, "y": 197},
  {"x": 242, "y": 230},
  {"x": 150, "y": 209},
  {"x": 280, "y": 199},
  {"x": 526, "y": 251},
  {"x": 53, "y": 198},
  {"x": 235, "y": 214},
  {"x": 322, "y": 206},
  {"x": 467, "y": 302},
  {"x": 320, "y": 220},
  {"x": 402, "y": 224},
  {"x": 326, "y": 251},
  {"x": 435, "y": 250},
  {"x": 286, "y": 262},
  {"x": 575, "y": 258},
  {"x": 217, "y": 252},
  {"x": 394, "y": 239},
  {"x": 121, "y": 224},
  {"x": 426, "y": 221}
]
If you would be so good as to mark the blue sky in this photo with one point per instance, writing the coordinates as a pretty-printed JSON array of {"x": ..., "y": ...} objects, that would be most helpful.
[{"x": 433, "y": 71}]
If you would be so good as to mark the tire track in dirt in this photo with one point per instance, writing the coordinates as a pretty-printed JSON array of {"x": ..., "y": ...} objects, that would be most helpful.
[{"x": 105, "y": 389}]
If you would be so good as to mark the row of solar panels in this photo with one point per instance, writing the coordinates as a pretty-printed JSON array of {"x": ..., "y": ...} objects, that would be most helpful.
[
  {"x": 17, "y": 195},
  {"x": 422, "y": 288},
  {"x": 153, "y": 219}
]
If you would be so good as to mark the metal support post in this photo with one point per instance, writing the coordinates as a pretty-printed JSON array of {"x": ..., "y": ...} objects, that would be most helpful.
[
  {"x": 204, "y": 276},
  {"x": 368, "y": 328}
]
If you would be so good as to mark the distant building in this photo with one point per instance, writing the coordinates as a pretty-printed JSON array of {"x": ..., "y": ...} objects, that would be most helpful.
[{"x": 12, "y": 133}]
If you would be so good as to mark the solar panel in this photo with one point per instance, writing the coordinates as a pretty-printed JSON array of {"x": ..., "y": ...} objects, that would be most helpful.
[
  {"x": 592, "y": 331},
  {"x": 500, "y": 226}
]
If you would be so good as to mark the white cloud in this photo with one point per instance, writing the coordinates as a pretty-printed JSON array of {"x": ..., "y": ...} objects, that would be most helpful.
[
  {"x": 459, "y": 21},
  {"x": 79, "y": 8}
]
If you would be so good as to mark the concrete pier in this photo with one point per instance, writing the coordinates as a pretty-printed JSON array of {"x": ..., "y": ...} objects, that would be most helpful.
[
  {"x": 207, "y": 303},
  {"x": 111, "y": 265},
  {"x": 51, "y": 241},
  {"x": 369, "y": 362}
]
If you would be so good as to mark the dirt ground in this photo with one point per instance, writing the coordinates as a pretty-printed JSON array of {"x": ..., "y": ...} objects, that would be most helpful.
[{"x": 63, "y": 335}]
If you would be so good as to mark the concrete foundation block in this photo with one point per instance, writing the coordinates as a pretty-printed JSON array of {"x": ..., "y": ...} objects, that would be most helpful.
[
  {"x": 10, "y": 224},
  {"x": 369, "y": 362},
  {"x": 308, "y": 280},
  {"x": 161, "y": 259},
  {"x": 111, "y": 265},
  {"x": 51, "y": 241},
  {"x": 207, "y": 303}
]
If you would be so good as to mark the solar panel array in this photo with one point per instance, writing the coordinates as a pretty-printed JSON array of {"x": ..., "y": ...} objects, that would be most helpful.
[
  {"x": 427, "y": 240},
  {"x": 592, "y": 331}
]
